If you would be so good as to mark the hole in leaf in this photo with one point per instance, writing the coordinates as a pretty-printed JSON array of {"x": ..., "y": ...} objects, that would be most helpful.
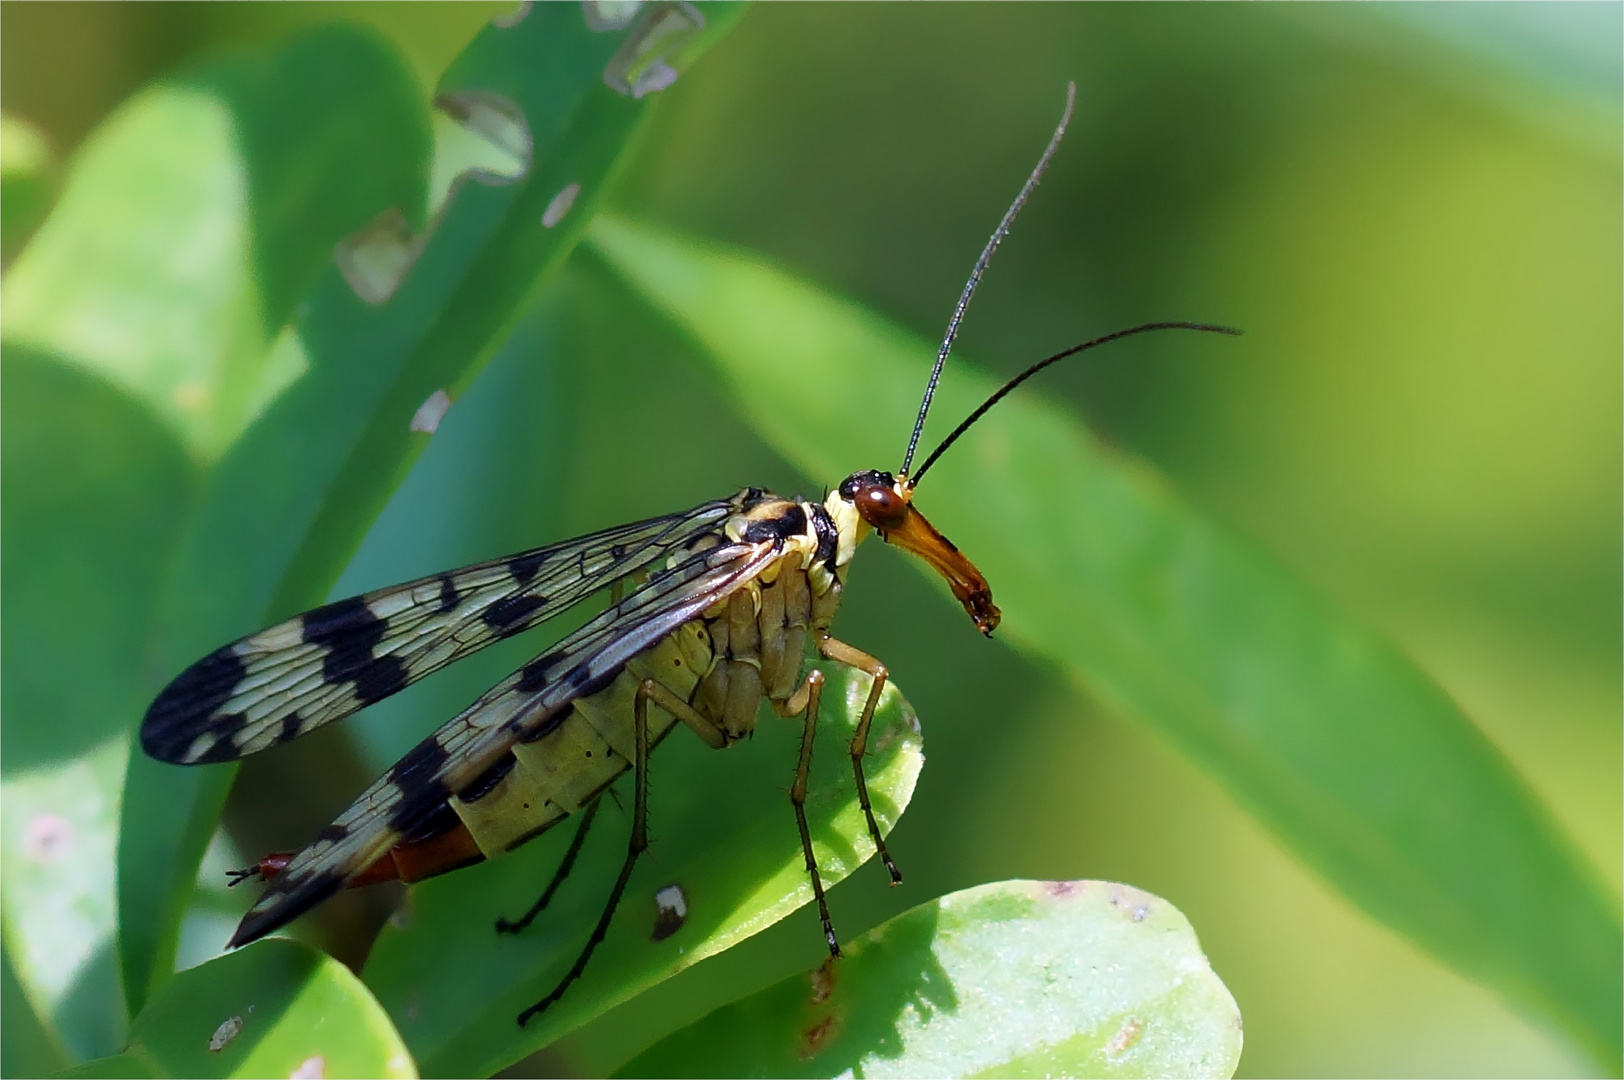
[
  {"x": 497, "y": 120},
  {"x": 375, "y": 258},
  {"x": 512, "y": 18},
  {"x": 605, "y": 15},
  {"x": 428, "y": 415},
  {"x": 560, "y": 205},
  {"x": 646, "y": 61}
]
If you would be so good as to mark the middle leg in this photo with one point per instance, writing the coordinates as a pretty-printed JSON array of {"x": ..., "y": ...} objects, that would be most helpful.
[
  {"x": 634, "y": 847},
  {"x": 835, "y": 649}
]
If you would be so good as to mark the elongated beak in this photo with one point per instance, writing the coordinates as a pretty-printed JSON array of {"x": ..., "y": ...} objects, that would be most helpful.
[{"x": 919, "y": 536}]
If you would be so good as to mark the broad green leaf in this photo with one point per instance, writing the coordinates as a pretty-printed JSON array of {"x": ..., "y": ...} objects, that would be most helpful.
[
  {"x": 1016, "y": 978},
  {"x": 394, "y": 319},
  {"x": 93, "y": 489},
  {"x": 1356, "y": 760},
  {"x": 57, "y": 857},
  {"x": 276, "y": 1008},
  {"x": 722, "y": 830}
]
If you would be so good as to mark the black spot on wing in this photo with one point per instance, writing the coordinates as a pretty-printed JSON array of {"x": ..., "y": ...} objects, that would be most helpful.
[
  {"x": 299, "y": 897},
  {"x": 379, "y": 679},
  {"x": 421, "y": 789},
  {"x": 533, "y": 676},
  {"x": 345, "y": 627},
  {"x": 291, "y": 723},
  {"x": 436, "y": 821},
  {"x": 508, "y": 616},
  {"x": 186, "y": 707},
  {"x": 524, "y": 567},
  {"x": 333, "y": 833},
  {"x": 349, "y": 631},
  {"x": 225, "y": 729},
  {"x": 421, "y": 763},
  {"x": 449, "y": 597},
  {"x": 583, "y": 683}
]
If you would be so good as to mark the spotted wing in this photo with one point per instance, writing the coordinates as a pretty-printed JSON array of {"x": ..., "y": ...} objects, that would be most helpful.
[
  {"x": 522, "y": 706},
  {"x": 323, "y": 665}
]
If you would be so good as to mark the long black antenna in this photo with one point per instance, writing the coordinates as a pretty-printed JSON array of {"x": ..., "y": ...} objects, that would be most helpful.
[
  {"x": 975, "y": 275},
  {"x": 1041, "y": 364}
]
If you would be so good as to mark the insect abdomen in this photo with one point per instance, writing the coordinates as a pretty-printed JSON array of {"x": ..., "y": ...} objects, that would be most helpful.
[{"x": 557, "y": 774}]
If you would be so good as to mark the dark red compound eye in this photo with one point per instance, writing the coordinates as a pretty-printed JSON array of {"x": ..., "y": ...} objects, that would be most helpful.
[{"x": 881, "y": 507}]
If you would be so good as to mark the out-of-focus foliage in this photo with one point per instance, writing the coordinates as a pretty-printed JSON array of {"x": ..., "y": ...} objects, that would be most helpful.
[
  {"x": 26, "y": 182},
  {"x": 1414, "y": 214}
]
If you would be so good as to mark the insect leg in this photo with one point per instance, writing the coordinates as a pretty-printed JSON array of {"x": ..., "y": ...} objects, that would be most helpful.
[
  {"x": 834, "y": 649},
  {"x": 503, "y": 926},
  {"x": 813, "y": 688},
  {"x": 656, "y": 692},
  {"x": 635, "y": 847}
]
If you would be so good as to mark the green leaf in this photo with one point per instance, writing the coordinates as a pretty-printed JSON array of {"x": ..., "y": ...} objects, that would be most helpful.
[
  {"x": 1354, "y": 758},
  {"x": 722, "y": 829},
  {"x": 1016, "y": 978},
  {"x": 276, "y": 1008},
  {"x": 56, "y": 856},
  {"x": 93, "y": 487}
]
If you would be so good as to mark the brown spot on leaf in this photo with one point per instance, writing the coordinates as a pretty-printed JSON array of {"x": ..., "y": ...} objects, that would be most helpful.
[
  {"x": 823, "y": 981},
  {"x": 818, "y": 1036},
  {"x": 47, "y": 838},
  {"x": 1128, "y": 1034}
]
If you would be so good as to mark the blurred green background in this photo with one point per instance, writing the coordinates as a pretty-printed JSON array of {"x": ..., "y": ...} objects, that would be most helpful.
[{"x": 1414, "y": 212}]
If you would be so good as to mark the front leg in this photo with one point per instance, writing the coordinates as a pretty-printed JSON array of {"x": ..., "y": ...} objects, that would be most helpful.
[{"x": 834, "y": 649}]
